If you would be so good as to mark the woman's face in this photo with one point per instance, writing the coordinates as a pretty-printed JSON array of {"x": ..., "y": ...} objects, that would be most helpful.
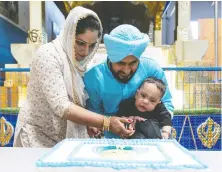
[{"x": 85, "y": 44}]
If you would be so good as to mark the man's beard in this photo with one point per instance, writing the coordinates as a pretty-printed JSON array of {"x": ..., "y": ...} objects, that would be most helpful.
[{"x": 124, "y": 80}]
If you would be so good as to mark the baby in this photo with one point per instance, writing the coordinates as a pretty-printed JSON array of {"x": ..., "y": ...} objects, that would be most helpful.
[{"x": 152, "y": 119}]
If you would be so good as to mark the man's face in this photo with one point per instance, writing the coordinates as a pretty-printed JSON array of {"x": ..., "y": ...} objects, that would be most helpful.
[{"x": 125, "y": 69}]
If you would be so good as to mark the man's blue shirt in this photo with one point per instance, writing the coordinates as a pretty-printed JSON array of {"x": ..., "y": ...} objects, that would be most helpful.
[{"x": 106, "y": 92}]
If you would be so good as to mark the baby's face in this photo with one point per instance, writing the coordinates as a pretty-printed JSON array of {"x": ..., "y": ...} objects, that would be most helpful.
[{"x": 147, "y": 97}]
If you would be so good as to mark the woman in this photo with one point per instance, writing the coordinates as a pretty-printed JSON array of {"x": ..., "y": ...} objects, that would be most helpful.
[{"x": 56, "y": 91}]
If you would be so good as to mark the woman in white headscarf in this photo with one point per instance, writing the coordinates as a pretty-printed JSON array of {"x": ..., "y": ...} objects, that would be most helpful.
[{"x": 54, "y": 109}]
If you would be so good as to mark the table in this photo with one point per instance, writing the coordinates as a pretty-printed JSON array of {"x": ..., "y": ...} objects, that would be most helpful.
[{"x": 23, "y": 159}]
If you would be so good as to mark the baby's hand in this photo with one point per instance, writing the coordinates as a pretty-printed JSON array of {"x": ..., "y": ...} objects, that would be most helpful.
[{"x": 137, "y": 118}]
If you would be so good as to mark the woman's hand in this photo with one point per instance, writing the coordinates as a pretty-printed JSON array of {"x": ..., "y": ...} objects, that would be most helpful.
[{"x": 117, "y": 126}]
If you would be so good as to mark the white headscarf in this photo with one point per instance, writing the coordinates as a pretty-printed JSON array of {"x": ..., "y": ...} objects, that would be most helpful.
[
  {"x": 73, "y": 70},
  {"x": 67, "y": 36}
]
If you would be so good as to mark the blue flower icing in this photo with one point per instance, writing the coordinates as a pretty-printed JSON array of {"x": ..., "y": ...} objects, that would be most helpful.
[{"x": 117, "y": 164}]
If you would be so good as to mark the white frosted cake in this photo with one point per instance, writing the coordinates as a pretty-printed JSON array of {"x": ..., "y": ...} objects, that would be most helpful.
[{"x": 108, "y": 155}]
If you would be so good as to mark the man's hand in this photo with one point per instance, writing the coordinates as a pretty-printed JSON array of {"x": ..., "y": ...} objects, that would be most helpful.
[
  {"x": 93, "y": 132},
  {"x": 166, "y": 132},
  {"x": 165, "y": 135}
]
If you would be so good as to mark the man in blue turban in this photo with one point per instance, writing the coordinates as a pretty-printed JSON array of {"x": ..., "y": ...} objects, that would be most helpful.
[{"x": 122, "y": 73}]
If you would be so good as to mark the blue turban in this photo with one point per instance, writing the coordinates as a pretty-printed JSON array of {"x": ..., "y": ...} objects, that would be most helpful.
[{"x": 125, "y": 40}]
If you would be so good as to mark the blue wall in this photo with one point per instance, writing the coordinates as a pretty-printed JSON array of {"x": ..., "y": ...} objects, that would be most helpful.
[
  {"x": 201, "y": 10},
  {"x": 9, "y": 33}
]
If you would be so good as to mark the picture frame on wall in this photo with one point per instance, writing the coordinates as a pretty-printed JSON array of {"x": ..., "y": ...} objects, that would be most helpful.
[{"x": 9, "y": 9}]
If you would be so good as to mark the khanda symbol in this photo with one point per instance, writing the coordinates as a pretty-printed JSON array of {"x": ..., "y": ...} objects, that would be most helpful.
[
  {"x": 33, "y": 35},
  {"x": 6, "y": 131},
  {"x": 209, "y": 132}
]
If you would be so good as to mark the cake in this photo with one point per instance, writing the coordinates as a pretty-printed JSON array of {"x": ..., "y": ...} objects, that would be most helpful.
[{"x": 109, "y": 155}]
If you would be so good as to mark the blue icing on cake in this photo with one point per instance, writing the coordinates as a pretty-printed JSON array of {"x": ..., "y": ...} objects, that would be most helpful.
[{"x": 118, "y": 154}]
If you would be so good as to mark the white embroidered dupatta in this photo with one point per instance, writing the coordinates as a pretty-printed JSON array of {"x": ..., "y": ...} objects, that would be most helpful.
[{"x": 73, "y": 70}]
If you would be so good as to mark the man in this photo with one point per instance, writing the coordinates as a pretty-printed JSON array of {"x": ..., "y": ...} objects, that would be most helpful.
[{"x": 122, "y": 73}]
